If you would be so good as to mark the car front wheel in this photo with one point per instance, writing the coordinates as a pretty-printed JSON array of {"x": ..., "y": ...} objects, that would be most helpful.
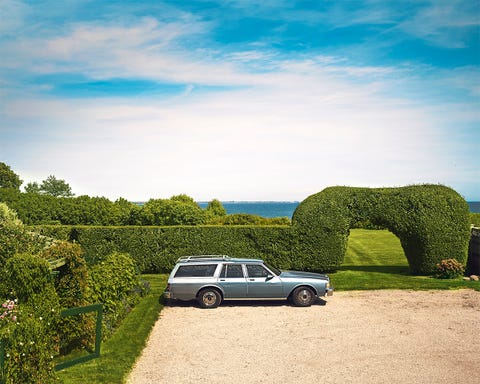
[
  {"x": 303, "y": 297},
  {"x": 209, "y": 298}
]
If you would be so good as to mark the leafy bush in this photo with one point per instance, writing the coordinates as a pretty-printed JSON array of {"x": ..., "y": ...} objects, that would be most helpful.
[
  {"x": 23, "y": 276},
  {"x": 113, "y": 282},
  {"x": 178, "y": 210},
  {"x": 475, "y": 219},
  {"x": 29, "y": 339},
  {"x": 15, "y": 238},
  {"x": 75, "y": 332},
  {"x": 248, "y": 219},
  {"x": 449, "y": 269}
]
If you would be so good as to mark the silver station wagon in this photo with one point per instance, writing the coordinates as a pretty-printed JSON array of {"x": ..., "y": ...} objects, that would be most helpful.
[{"x": 212, "y": 279}]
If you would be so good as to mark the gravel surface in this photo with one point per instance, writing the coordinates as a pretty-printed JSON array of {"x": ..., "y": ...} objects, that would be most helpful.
[{"x": 355, "y": 337}]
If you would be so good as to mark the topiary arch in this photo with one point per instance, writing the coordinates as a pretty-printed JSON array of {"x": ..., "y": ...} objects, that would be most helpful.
[{"x": 431, "y": 221}]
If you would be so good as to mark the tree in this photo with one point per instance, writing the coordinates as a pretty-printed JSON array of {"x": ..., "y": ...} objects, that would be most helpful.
[
  {"x": 178, "y": 210},
  {"x": 55, "y": 187},
  {"x": 216, "y": 208},
  {"x": 8, "y": 178},
  {"x": 32, "y": 187}
]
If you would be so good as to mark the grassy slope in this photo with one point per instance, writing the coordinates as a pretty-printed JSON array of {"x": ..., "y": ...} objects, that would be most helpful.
[{"x": 375, "y": 260}]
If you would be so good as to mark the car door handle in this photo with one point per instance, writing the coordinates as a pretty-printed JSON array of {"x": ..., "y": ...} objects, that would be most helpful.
[{"x": 251, "y": 279}]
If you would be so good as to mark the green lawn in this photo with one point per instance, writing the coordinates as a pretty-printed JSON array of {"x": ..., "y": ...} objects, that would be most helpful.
[
  {"x": 118, "y": 354},
  {"x": 375, "y": 260}
]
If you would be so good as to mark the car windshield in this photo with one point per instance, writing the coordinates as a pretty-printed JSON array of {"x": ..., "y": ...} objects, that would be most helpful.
[{"x": 273, "y": 269}]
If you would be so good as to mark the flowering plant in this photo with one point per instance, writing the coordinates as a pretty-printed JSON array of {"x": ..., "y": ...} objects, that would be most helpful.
[
  {"x": 449, "y": 269},
  {"x": 8, "y": 312}
]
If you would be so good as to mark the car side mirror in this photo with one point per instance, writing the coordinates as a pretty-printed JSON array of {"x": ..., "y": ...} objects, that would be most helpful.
[{"x": 269, "y": 277}]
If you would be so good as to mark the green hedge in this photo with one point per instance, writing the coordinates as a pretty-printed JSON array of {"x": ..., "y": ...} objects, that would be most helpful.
[
  {"x": 113, "y": 282},
  {"x": 155, "y": 249},
  {"x": 432, "y": 222}
]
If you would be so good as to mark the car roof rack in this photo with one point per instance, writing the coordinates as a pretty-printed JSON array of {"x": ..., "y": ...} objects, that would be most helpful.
[{"x": 203, "y": 257}]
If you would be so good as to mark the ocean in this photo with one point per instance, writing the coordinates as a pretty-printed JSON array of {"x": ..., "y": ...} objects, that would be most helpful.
[
  {"x": 260, "y": 208},
  {"x": 281, "y": 208}
]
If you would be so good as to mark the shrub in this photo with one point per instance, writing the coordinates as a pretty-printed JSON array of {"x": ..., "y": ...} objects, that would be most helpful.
[
  {"x": 75, "y": 332},
  {"x": 449, "y": 269},
  {"x": 30, "y": 341},
  {"x": 248, "y": 219},
  {"x": 475, "y": 219},
  {"x": 15, "y": 238},
  {"x": 113, "y": 282},
  {"x": 23, "y": 276}
]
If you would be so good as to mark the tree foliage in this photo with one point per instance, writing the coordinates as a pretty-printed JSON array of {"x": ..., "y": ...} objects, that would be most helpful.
[
  {"x": 55, "y": 187},
  {"x": 178, "y": 210},
  {"x": 8, "y": 178}
]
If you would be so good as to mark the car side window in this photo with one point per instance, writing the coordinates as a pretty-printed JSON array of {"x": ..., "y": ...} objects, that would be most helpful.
[
  {"x": 255, "y": 270},
  {"x": 205, "y": 270},
  {"x": 232, "y": 271}
]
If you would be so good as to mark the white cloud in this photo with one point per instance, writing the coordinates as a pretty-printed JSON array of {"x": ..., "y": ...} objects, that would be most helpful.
[
  {"x": 281, "y": 133},
  {"x": 291, "y": 136}
]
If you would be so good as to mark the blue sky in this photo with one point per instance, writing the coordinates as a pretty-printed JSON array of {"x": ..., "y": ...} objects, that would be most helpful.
[{"x": 240, "y": 100}]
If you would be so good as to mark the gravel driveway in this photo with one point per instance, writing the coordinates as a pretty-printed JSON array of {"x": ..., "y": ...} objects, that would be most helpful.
[{"x": 356, "y": 337}]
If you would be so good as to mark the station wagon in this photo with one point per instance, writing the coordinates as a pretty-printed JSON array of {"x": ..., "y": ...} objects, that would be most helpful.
[{"x": 212, "y": 279}]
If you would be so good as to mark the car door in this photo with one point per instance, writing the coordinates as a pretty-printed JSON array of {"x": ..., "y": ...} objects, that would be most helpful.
[
  {"x": 233, "y": 281},
  {"x": 262, "y": 284}
]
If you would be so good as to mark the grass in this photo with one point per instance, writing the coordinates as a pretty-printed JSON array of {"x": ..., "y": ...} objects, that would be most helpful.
[
  {"x": 375, "y": 260},
  {"x": 118, "y": 354}
]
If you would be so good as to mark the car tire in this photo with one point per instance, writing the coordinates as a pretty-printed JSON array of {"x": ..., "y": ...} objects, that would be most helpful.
[
  {"x": 209, "y": 298},
  {"x": 303, "y": 297}
]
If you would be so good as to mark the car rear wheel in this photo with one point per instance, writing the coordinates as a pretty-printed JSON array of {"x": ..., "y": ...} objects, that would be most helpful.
[
  {"x": 303, "y": 297},
  {"x": 209, "y": 298}
]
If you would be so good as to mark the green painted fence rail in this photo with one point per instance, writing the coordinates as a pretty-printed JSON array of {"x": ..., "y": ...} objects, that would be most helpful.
[
  {"x": 98, "y": 308},
  {"x": 98, "y": 333}
]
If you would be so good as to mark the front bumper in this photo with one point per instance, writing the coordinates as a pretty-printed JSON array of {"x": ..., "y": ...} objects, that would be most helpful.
[
  {"x": 167, "y": 295},
  {"x": 329, "y": 292}
]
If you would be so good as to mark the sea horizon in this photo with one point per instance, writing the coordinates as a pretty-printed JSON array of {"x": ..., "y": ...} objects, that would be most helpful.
[{"x": 271, "y": 209}]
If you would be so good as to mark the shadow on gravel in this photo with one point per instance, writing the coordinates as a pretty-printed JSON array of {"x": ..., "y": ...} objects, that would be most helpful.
[{"x": 241, "y": 303}]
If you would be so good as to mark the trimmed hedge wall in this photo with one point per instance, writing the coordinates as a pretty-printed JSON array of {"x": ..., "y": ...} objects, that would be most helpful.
[
  {"x": 432, "y": 222},
  {"x": 156, "y": 249}
]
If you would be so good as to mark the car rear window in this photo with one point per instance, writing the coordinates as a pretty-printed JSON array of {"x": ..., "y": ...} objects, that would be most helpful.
[{"x": 204, "y": 270}]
